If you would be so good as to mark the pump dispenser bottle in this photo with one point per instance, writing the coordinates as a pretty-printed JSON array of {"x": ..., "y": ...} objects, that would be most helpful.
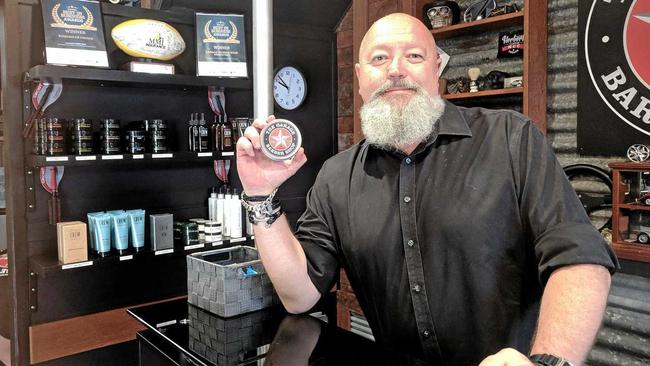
[
  {"x": 221, "y": 198},
  {"x": 225, "y": 226},
  {"x": 235, "y": 215},
  {"x": 212, "y": 205}
]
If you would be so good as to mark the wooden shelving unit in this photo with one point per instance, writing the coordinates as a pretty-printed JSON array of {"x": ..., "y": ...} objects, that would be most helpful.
[
  {"x": 623, "y": 207},
  {"x": 533, "y": 19},
  {"x": 484, "y": 93},
  {"x": 483, "y": 25}
]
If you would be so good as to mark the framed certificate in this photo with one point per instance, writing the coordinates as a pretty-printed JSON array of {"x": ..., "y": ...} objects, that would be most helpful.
[
  {"x": 74, "y": 33},
  {"x": 220, "y": 45}
]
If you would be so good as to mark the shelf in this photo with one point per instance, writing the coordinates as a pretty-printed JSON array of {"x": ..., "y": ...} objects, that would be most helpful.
[
  {"x": 629, "y": 166},
  {"x": 498, "y": 22},
  {"x": 86, "y": 160},
  {"x": 104, "y": 77},
  {"x": 632, "y": 251},
  {"x": 634, "y": 207},
  {"x": 484, "y": 93},
  {"x": 45, "y": 265}
]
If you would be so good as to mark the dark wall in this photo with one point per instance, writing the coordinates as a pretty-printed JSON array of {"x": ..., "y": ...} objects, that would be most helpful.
[{"x": 177, "y": 187}]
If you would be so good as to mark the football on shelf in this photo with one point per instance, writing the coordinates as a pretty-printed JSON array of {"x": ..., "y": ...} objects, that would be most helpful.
[{"x": 148, "y": 38}]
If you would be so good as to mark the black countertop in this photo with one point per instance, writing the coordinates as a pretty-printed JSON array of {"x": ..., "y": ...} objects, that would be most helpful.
[{"x": 271, "y": 334}]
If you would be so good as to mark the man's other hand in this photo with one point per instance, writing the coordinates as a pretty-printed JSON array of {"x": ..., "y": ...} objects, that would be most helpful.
[{"x": 507, "y": 357}]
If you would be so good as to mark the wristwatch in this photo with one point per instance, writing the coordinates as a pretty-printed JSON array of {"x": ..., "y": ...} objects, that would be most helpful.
[{"x": 549, "y": 360}]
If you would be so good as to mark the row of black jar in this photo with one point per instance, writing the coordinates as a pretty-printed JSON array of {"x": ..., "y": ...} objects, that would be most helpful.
[{"x": 57, "y": 136}]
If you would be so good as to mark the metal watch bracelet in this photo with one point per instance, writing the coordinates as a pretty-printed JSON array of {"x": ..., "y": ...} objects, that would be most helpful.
[{"x": 262, "y": 209}]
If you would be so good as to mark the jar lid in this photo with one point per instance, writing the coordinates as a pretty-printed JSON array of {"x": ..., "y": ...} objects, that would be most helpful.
[{"x": 281, "y": 140}]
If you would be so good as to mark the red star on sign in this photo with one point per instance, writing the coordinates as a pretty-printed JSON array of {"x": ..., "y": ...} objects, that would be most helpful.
[
  {"x": 636, "y": 39},
  {"x": 280, "y": 139}
]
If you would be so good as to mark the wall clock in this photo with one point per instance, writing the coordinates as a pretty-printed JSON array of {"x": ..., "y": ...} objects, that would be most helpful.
[{"x": 289, "y": 87}]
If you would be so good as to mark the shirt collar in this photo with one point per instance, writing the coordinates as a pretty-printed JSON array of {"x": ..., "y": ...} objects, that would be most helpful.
[{"x": 451, "y": 123}]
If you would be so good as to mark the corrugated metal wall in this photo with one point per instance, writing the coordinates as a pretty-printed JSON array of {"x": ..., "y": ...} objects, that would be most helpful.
[{"x": 480, "y": 51}]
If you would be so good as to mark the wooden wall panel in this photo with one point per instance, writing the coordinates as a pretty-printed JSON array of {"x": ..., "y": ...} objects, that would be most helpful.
[{"x": 67, "y": 337}]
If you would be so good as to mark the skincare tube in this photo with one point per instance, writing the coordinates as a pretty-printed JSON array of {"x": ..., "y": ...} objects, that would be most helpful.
[
  {"x": 91, "y": 233},
  {"x": 120, "y": 232},
  {"x": 102, "y": 233},
  {"x": 136, "y": 229}
]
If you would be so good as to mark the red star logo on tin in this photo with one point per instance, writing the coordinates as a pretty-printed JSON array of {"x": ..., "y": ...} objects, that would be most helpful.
[
  {"x": 280, "y": 139},
  {"x": 637, "y": 29}
]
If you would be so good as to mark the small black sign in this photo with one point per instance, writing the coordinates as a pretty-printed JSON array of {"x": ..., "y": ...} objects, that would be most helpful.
[
  {"x": 74, "y": 34},
  {"x": 220, "y": 45}
]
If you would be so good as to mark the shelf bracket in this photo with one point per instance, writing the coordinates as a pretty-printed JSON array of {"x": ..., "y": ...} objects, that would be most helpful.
[
  {"x": 33, "y": 291},
  {"x": 27, "y": 99},
  {"x": 30, "y": 188}
]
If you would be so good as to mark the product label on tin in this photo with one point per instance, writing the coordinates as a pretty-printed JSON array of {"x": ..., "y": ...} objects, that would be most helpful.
[{"x": 280, "y": 140}]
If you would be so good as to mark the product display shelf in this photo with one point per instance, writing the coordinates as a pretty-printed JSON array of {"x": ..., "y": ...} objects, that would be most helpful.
[
  {"x": 45, "y": 265},
  {"x": 86, "y": 160},
  {"x": 488, "y": 24},
  {"x": 484, "y": 93},
  {"x": 132, "y": 79}
]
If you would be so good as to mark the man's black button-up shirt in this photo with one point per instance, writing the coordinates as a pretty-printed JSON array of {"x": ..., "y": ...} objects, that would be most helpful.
[{"x": 448, "y": 249}]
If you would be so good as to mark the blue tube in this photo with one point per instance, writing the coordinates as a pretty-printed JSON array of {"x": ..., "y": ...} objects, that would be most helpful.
[
  {"x": 91, "y": 229},
  {"x": 136, "y": 228},
  {"x": 120, "y": 231},
  {"x": 102, "y": 233}
]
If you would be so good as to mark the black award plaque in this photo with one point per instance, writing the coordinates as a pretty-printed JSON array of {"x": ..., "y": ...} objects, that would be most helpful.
[
  {"x": 220, "y": 45},
  {"x": 74, "y": 34}
]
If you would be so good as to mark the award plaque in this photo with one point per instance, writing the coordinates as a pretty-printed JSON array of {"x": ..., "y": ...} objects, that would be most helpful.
[
  {"x": 220, "y": 45},
  {"x": 74, "y": 34}
]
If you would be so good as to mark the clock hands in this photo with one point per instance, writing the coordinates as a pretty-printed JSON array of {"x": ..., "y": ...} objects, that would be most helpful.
[{"x": 282, "y": 82}]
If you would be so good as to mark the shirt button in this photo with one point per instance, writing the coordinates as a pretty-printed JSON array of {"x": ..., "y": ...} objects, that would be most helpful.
[
  {"x": 410, "y": 243},
  {"x": 416, "y": 288},
  {"x": 407, "y": 199},
  {"x": 426, "y": 333},
  {"x": 408, "y": 160}
]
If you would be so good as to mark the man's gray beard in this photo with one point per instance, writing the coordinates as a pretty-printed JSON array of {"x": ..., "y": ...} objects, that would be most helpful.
[{"x": 389, "y": 125}]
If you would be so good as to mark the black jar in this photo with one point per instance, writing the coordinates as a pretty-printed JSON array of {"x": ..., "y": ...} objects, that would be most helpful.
[
  {"x": 81, "y": 132},
  {"x": 109, "y": 136},
  {"x": 135, "y": 141},
  {"x": 55, "y": 137}
]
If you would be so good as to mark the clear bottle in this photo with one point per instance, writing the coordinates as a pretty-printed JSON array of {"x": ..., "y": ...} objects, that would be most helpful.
[
  {"x": 212, "y": 205},
  {"x": 225, "y": 226},
  {"x": 235, "y": 215}
]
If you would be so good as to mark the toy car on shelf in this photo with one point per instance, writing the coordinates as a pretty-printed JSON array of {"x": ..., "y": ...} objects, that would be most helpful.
[
  {"x": 644, "y": 198},
  {"x": 642, "y": 234}
]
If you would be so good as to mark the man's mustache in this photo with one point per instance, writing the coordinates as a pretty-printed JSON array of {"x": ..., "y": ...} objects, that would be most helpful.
[{"x": 399, "y": 84}]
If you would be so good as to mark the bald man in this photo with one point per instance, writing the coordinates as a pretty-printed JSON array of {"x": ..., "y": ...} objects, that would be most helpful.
[{"x": 456, "y": 226}]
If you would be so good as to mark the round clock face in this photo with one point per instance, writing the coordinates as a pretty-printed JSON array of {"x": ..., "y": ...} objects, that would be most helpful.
[{"x": 289, "y": 88}]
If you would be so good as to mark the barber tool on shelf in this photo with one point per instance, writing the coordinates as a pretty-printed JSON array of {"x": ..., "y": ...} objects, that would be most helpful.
[
  {"x": 494, "y": 79},
  {"x": 504, "y": 9},
  {"x": 458, "y": 85},
  {"x": 441, "y": 13},
  {"x": 479, "y": 10},
  {"x": 473, "y": 74}
]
